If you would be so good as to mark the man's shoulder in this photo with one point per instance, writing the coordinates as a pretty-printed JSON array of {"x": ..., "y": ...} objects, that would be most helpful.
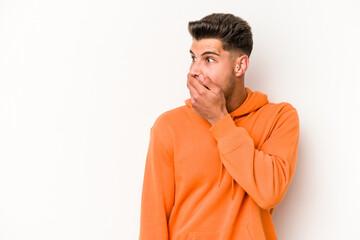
[
  {"x": 281, "y": 110},
  {"x": 171, "y": 116},
  {"x": 260, "y": 104},
  {"x": 279, "y": 107}
]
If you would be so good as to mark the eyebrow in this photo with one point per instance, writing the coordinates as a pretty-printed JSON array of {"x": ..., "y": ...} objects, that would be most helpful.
[{"x": 208, "y": 52}]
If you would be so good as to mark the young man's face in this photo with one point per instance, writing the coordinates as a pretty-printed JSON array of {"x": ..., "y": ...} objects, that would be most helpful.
[{"x": 209, "y": 58}]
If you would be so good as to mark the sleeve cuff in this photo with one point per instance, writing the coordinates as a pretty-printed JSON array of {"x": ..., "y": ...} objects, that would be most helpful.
[
  {"x": 230, "y": 137},
  {"x": 223, "y": 127}
]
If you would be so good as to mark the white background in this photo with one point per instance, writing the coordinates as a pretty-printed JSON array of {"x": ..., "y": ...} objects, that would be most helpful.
[{"x": 82, "y": 82}]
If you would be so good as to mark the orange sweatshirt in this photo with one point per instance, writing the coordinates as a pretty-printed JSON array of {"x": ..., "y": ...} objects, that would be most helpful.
[{"x": 219, "y": 182}]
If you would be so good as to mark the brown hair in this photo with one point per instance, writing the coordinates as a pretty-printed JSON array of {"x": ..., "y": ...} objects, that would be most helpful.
[{"x": 234, "y": 32}]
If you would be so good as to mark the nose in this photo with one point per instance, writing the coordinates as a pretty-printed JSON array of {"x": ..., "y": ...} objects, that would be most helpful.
[{"x": 195, "y": 69}]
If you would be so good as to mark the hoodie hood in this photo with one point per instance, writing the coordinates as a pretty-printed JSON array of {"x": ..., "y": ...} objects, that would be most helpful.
[{"x": 254, "y": 101}]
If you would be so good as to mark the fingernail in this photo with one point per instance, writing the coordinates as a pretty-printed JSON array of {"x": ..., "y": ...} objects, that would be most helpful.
[{"x": 201, "y": 77}]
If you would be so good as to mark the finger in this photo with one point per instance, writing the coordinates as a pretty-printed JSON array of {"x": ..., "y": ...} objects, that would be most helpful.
[
  {"x": 197, "y": 85},
  {"x": 194, "y": 96},
  {"x": 200, "y": 80},
  {"x": 192, "y": 90},
  {"x": 209, "y": 83}
]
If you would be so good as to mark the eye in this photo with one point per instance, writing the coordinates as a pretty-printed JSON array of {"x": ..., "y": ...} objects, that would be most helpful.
[
  {"x": 193, "y": 58},
  {"x": 208, "y": 59}
]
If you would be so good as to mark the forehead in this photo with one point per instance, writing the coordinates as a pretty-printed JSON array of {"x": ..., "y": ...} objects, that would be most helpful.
[{"x": 207, "y": 44}]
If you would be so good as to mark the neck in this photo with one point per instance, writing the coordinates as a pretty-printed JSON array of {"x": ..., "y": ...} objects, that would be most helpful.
[{"x": 237, "y": 97}]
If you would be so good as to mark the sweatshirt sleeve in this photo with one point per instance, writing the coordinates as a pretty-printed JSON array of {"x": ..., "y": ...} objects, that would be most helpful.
[
  {"x": 264, "y": 173},
  {"x": 158, "y": 190}
]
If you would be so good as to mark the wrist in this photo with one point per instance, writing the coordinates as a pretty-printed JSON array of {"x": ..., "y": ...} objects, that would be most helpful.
[{"x": 218, "y": 118}]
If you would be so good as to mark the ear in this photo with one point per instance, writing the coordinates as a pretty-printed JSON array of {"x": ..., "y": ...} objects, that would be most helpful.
[{"x": 241, "y": 65}]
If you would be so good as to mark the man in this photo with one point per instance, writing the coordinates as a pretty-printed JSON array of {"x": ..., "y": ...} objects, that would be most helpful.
[{"x": 218, "y": 165}]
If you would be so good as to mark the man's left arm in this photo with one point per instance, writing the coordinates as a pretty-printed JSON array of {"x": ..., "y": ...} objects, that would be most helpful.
[{"x": 264, "y": 173}]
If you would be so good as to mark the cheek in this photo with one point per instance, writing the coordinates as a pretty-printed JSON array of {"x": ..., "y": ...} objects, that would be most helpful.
[
  {"x": 215, "y": 77},
  {"x": 220, "y": 81},
  {"x": 220, "y": 75},
  {"x": 214, "y": 74}
]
